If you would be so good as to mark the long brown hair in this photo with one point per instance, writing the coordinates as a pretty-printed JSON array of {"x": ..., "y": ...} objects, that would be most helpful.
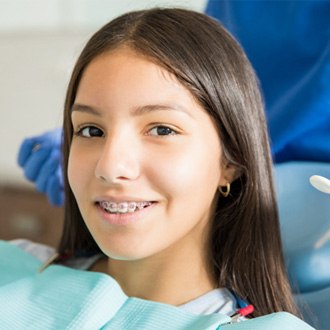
[{"x": 244, "y": 247}]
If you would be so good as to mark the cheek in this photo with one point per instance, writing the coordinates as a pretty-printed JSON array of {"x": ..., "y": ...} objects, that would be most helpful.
[
  {"x": 72, "y": 174},
  {"x": 78, "y": 169},
  {"x": 193, "y": 171}
]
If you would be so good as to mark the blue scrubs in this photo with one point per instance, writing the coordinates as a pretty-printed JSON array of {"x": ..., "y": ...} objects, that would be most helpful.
[{"x": 288, "y": 43}]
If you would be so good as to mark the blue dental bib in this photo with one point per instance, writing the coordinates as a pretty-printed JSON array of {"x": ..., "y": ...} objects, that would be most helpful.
[{"x": 64, "y": 298}]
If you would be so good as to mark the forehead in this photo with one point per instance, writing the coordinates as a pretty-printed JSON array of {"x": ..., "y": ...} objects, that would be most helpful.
[
  {"x": 123, "y": 61},
  {"x": 124, "y": 74}
]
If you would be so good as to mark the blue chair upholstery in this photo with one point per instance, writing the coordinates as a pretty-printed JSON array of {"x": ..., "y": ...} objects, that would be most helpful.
[{"x": 305, "y": 227}]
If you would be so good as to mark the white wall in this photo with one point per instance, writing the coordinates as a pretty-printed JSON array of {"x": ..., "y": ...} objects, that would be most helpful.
[{"x": 39, "y": 42}]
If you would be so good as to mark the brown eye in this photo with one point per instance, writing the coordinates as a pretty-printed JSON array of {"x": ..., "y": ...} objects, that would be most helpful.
[{"x": 161, "y": 131}]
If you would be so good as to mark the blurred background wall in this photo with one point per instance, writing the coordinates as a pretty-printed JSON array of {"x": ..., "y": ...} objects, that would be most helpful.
[{"x": 39, "y": 43}]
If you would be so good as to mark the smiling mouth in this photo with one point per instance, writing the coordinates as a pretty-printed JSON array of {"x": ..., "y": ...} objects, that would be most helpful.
[{"x": 123, "y": 207}]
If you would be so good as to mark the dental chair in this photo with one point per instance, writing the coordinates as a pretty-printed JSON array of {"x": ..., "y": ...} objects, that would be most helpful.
[{"x": 305, "y": 228}]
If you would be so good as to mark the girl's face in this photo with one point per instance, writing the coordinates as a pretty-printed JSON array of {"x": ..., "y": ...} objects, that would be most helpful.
[{"x": 145, "y": 161}]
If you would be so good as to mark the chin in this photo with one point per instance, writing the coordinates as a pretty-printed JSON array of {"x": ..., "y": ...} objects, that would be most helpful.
[{"x": 125, "y": 254}]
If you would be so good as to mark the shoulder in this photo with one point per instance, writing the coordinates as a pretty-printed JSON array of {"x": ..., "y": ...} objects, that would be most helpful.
[
  {"x": 44, "y": 252},
  {"x": 38, "y": 250}
]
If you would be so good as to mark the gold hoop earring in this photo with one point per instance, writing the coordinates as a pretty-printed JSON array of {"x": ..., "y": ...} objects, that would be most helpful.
[{"x": 225, "y": 193}]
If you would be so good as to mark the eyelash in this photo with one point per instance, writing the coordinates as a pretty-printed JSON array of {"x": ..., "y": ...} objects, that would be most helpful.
[{"x": 169, "y": 130}]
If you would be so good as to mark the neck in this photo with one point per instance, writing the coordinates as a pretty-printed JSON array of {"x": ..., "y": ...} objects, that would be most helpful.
[{"x": 173, "y": 276}]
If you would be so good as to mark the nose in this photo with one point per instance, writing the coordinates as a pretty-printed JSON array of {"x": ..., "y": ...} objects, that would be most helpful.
[{"x": 118, "y": 161}]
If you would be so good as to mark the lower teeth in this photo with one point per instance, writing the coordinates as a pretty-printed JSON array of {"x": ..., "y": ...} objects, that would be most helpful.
[{"x": 108, "y": 211}]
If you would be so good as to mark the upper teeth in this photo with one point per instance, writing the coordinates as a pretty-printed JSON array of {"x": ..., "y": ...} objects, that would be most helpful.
[{"x": 123, "y": 207}]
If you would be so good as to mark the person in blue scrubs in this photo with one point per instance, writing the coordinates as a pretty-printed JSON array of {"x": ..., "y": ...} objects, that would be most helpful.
[{"x": 288, "y": 43}]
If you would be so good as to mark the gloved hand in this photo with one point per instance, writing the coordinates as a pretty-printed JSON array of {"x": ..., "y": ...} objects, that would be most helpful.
[{"x": 40, "y": 158}]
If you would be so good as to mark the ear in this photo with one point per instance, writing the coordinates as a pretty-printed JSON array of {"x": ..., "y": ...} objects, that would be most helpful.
[{"x": 229, "y": 173}]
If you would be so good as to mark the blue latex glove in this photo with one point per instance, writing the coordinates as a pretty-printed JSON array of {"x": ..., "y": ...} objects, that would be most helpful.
[
  {"x": 39, "y": 156},
  {"x": 288, "y": 43}
]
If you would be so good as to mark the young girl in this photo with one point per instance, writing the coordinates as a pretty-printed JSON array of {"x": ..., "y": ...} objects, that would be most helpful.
[{"x": 168, "y": 177}]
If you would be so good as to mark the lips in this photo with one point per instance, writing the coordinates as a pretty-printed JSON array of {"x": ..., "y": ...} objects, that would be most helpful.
[{"x": 124, "y": 213}]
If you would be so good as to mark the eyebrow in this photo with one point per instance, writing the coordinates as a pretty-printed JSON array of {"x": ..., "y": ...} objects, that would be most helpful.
[
  {"x": 86, "y": 109},
  {"x": 138, "y": 111},
  {"x": 156, "y": 107}
]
